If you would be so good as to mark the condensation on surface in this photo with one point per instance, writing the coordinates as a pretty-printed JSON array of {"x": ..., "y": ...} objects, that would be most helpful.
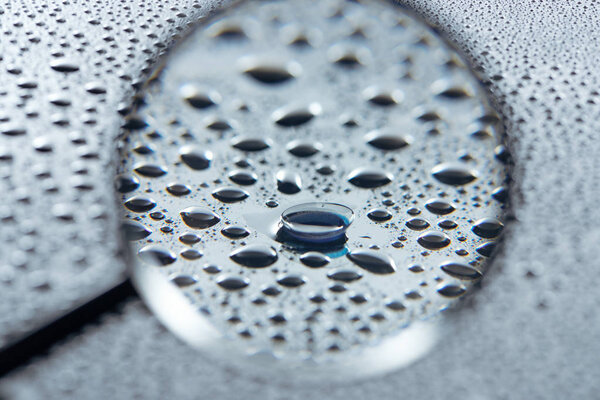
[
  {"x": 271, "y": 107},
  {"x": 67, "y": 68},
  {"x": 531, "y": 332}
]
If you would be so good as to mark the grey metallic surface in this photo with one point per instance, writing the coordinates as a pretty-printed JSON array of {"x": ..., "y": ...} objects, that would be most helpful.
[{"x": 532, "y": 331}]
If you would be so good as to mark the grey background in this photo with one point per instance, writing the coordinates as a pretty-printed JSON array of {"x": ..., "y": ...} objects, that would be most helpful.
[{"x": 533, "y": 329}]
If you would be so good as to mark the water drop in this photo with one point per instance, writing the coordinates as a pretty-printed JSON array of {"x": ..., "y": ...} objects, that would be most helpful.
[
  {"x": 184, "y": 280},
  {"x": 271, "y": 72},
  {"x": 291, "y": 281},
  {"x": 395, "y": 305},
  {"x": 156, "y": 255},
  {"x": 447, "y": 224},
  {"x": 226, "y": 30},
  {"x": 134, "y": 230},
  {"x": 500, "y": 194},
  {"x": 382, "y": 98},
  {"x": 178, "y": 189},
  {"x": 486, "y": 249},
  {"x": 290, "y": 117},
  {"x": 452, "y": 290},
  {"x": 439, "y": 207},
  {"x": 344, "y": 275},
  {"x": 314, "y": 259},
  {"x": 244, "y": 178},
  {"x": 125, "y": 183},
  {"x": 372, "y": 261},
  {"x": 232, "y": 282},
  {"x": 139, "y": 204},
  {"x": 454, "y": 93},
  {"x": 254, "y": 255},
  {"x": 64, "y": 65},
  {"x": 317, "y": 222},
  {"x": 189, "y": 238},
  {"x": 303, "y": 149},
  {"x": 379, "y": 215},
  {"x": 230, "y": 194},
  {"x": 460, "y": 270},
  {"x": 487, "y": 228},
  {"x": 386, "y": 141},
  {"x": 235, "y": 232},
  {"x": 369, "y": 178},
  {"x": 150, "y": 170},
  {"x": 453, "y": 174},
  {"x": 198, "y": 99},
  {"x": 288, "y": 182},
  {"x": 325, "y": 169},
  {"x": 433, "y": 240},
  {"x": 191, "y": 254},
  {"x": 195, "y": 158},
  {"x": 199, "y": 217},
  {"x": 250, "y": 144},
  {"x": 417, "y": 224}
]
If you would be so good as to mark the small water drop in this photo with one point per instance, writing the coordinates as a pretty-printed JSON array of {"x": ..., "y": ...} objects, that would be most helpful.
[
  {"x": 447, "y": 224},
  {"x": 382, "y": 98},
  {"x": 244, "y": 178},
  {"x": 139, "y": 204},
  {"x": 439, "y": 207},
  {"x": 156, "y": 255},
  {"x": 198, "y": 99},
  {"x": 325, "y": 169},
  {"x": 314, "y": 259},
  {"x": 125, "y": 183},
  {"x": 290, "y": 117},
  {"x": 386, "y": 140},
  {"x": 291, "y": 281},
  {"x": 189, "y": 238},
  {"x": 453, "y": 174},
  {"x": 235, "y": 232},
  {"x": 232, "y": 282},
  {"x": 372, "y": 261},
  {"x": 250, "y": 144},
  {"x": 271, "y": 72},
  {"x": 150, "y": 170},
  {"x": 230, "y": 194},
  {"x": 379, "y": 215},
  {"x": 500, "y": 194},
  {"x": 454, "y": 93},
  {"x": 417, "y": 224},
  {"x": 433, "y": 240},
  {"x": 195, "y": 158},
  {"x": 184, "y": 280},
  {"x": 369, "y": 178},
  {"x": 460, "y": 270},
  {"x": 288, "y": 182},
  {"x": 191, "y": 254},
  {"x": 134, "y": 230},
  {"x": 452, "y": 290},
  {"x": 64, "y": 65},
  {"x": 488, "y": 228},
  {"x": 303, "y": 149},
  {"x": 486, "y": 249},
  {"x": 227, "y": 30},
  {"x": 344, "y": 275},
  {"x": 199, "y": 217},
  {"x": 254, "y": 255},
  {"x": 178, "y": 189}
]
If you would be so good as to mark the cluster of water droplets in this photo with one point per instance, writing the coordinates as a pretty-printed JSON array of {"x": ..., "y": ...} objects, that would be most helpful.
[
  {"x": 314, "y": 178},
  {"x": 66, "y": 68}
]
